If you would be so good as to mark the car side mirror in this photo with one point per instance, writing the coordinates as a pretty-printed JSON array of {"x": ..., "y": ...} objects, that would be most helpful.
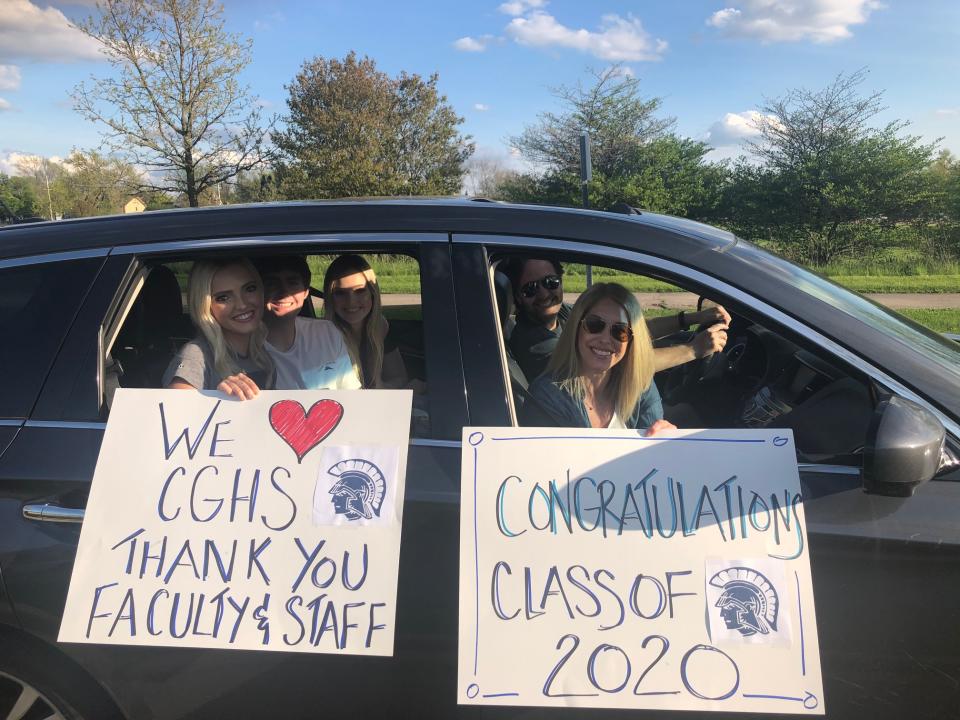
[{"x": 904, "y": 448}]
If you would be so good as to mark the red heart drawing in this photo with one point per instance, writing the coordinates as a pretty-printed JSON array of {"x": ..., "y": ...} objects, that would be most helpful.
[{"x": 303, "y": 430}]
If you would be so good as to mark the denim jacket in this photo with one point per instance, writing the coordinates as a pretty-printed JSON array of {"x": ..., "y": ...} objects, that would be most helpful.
[{"x": 566, "y": 411}]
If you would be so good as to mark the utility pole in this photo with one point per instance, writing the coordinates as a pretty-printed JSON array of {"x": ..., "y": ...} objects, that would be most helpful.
[{"x": 586, "y": 174}]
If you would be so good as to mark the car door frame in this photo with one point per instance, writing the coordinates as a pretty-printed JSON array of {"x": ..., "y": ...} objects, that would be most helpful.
[
  {"x": 845, "y": 526},
  {"x": 70, "y": 413}
]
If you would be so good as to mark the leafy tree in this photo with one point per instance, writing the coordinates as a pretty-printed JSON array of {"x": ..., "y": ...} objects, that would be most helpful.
[
  {"x": 256, "y": 186},
  {"x": 636, "y": 157},
  {"x": 487, "y": 177},
  {"x": 17, "y": 195},
  {"x": 611, "y": 109},
  {"x": 944, "y": 177},
  {"x": 352, "y": 130},
  {"x": 175, "y": 105},
  {"x": 826, "y": 173},
  {"x": 43, "y": 175},
  {"x": 96, "y": 185}
]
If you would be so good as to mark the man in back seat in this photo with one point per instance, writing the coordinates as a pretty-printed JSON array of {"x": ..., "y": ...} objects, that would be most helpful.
[
  {"x": 537, "y": 285},
  {"x": 309, "y": 354}
]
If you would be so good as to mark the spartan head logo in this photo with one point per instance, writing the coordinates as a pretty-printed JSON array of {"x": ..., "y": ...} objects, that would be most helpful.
[
  {"x": 749, "y": 601},
  {"x": 359, "y": 490}
]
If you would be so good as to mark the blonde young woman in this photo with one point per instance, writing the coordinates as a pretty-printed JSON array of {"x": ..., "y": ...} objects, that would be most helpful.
[
  {"x": 601, "y": 373},
  {"x": 225, "y": 299},
  {"x": 351, "y": 299}
]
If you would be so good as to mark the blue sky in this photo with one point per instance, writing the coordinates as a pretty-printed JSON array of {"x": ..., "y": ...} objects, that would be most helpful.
[{"x": 712, "y": 62}]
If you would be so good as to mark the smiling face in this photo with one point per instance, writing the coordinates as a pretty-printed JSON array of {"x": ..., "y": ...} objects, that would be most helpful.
[
  {"x": 352, "y": 300},
  {"x": 543, "y": 306},
  {"x": 285, "y": 292},
  {"x": 236, "y": 303},
  {"x": 600, "y": 352}
]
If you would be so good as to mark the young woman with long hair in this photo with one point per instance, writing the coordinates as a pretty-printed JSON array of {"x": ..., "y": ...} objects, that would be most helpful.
[
  {"x": 351, "y": 298},
  {"x": 225, "y": 299},
  {"x": 601, "y": 373}
]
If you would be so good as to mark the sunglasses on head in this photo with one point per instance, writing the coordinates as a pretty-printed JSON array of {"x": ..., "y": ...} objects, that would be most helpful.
[
  {"x": 547, "y": 282},
  {"x": 619, "y": 331}
]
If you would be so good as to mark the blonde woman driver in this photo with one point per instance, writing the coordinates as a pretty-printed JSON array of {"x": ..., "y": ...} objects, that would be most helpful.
[
  {"x": 225, "y": 299},
  {"x": 601, "y": 373},
  {"x": 351, "y": 299}
]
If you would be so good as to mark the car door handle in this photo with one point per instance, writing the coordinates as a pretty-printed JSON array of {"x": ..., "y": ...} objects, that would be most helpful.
[{"x": 46, "y": 512}]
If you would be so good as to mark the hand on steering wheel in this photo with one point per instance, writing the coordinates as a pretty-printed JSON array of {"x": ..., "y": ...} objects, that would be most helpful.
[{"x": 710, "y": 341}]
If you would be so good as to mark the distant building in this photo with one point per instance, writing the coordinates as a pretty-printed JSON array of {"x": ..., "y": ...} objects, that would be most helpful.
[{"x": 134, "y": 205}]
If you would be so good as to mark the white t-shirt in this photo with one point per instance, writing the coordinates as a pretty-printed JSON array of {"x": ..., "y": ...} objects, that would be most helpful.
[
  {"x": 317, "y": 360},
  {"x": 616, "y": 423}
]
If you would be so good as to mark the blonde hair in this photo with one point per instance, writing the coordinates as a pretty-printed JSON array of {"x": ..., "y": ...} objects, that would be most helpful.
[
  {"x": 630, "y": 377},
  {"x": 199, "y": 300},
  {"x": 374, "y": 325}
]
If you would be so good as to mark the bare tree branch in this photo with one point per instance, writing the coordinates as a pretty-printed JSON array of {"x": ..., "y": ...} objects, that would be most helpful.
[{"x": 175, "y": 105}]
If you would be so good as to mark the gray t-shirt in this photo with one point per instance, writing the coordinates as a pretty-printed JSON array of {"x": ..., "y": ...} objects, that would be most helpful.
[{"x": 194, "y": 364}]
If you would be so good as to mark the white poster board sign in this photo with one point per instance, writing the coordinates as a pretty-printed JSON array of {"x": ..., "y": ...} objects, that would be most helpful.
[
  {"x": 599, "y": 568},
  {"x": 270, "y": 524}
]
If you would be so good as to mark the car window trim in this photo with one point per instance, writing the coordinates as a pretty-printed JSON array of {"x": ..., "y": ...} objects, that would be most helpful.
[
  {"x": 53, "y": 257},
  {"x": 521, "y": 244},
  {"x": 353, "y": 239}
]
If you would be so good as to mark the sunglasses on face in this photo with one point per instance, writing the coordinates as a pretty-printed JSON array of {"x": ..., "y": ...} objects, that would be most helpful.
[
  {"x": 619, "y": 331},
  {"x": 547, "y": 282}
]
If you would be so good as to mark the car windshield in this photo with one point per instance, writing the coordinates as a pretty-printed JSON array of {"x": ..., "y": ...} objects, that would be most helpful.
[{"x": 943, "y": 351}]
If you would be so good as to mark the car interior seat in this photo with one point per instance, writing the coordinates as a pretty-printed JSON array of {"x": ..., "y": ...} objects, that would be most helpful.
[
  {"x": 505, "y": 308},
  {"x": 154, "y": 329},
  {"x": 831, "y": 423}
]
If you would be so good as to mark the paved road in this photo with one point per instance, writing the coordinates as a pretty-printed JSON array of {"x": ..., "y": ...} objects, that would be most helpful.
[{"x": 897, "y": 301}]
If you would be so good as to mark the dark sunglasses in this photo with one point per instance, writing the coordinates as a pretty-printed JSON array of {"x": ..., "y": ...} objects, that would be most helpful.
[
  {"x": 547, "y": 282},
  {"x": 619, "y": 331}
]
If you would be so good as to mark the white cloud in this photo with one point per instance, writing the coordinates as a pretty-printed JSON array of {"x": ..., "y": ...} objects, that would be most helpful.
[
  {"x": 734, "y": 128},
  {"x": 33, "y": 33},
  {"x": 949, "y": 111},
  {"x": 821, "y": 21},
  {"x": 480, "y": 107},
  {"x": 9, "y": 77},
  {"x": 18, "y": 163},
  {"x": 469, "y": 44},
  {"x": 5, "y": 105},
  {"x": 519, "y": 7},
  {"x": 618, "y": 39}
]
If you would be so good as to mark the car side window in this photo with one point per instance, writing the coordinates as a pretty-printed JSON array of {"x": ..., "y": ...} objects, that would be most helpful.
[
  {"x": 154, "y": 323},
  {"x": 762, "y": 377},
  {"x": 38, "y": 303}
]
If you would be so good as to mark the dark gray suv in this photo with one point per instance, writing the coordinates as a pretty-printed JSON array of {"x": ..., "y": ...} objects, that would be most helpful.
[{"x": 90, "y": 305}]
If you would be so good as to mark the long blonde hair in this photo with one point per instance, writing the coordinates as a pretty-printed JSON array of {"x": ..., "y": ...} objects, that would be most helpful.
[
  {"x": 374, "y": 325},
  {"x": 630, "y": 377},
  {"x": 199, "y": 300}
]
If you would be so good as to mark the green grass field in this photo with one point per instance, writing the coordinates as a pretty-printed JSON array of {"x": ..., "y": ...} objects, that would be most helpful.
[
  {"x": 400, "y": 275},
  {"x": 939, "y": 320}
]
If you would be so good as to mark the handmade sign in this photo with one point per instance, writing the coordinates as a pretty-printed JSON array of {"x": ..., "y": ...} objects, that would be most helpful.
[
  {"x": 600, "y": 568},
  {"x": 270, "y": 524}
]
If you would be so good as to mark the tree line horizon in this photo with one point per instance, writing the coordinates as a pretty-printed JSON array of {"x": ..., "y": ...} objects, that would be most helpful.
[{"x": 820, "y": 181}]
